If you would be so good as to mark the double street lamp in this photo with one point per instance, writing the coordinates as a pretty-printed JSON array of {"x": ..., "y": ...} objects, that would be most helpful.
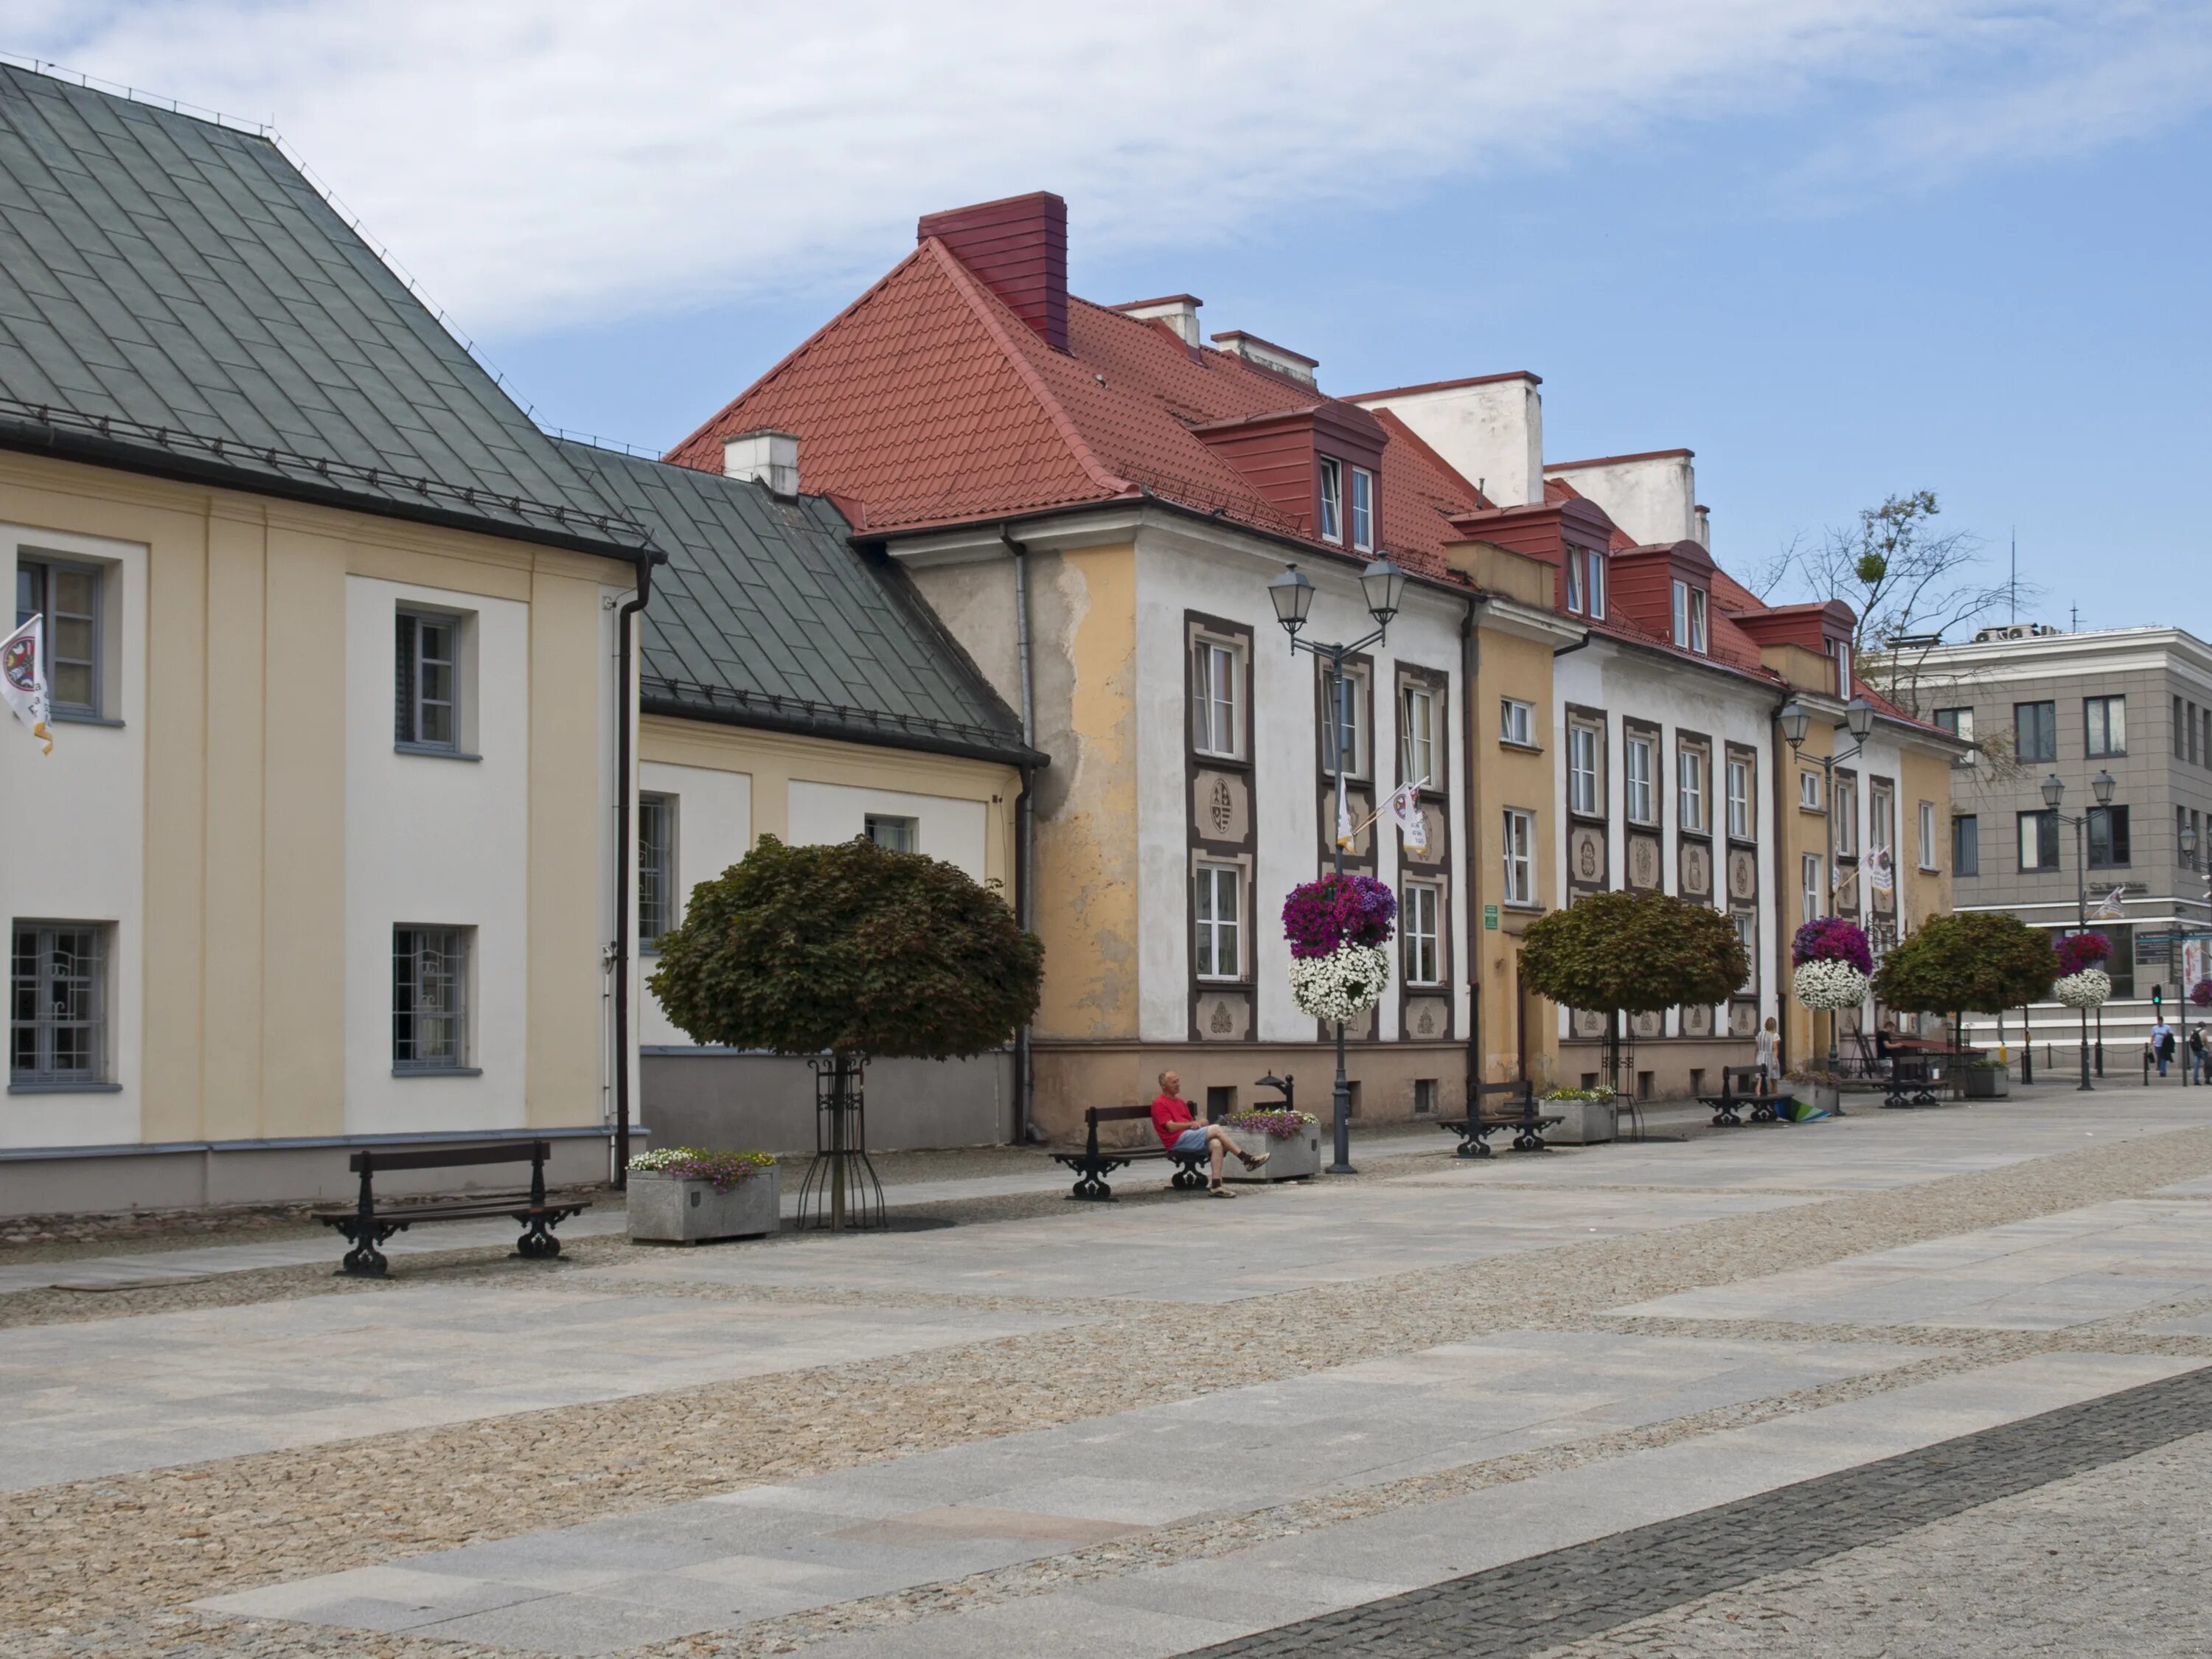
[
  {"x": 2054, "y": 792},
  {"x": 1795, "y": 720},
  {"x": 1382, "y": 584}
]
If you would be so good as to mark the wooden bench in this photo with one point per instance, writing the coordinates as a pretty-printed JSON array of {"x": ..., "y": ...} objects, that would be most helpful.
[
  {"x": 366, "y": 1225},
  {"x": 1911, "y": 1080},
  {"x": 1729, "y": 1106},
  {"x": 1527, "y": 1124},
  {"x": 1093, "y": 1164}
]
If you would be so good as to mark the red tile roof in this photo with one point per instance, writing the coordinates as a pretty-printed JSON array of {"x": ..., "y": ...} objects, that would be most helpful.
[{"x": 928, "y": 402}]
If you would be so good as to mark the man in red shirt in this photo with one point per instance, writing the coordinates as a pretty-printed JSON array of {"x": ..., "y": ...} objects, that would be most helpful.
[{"x": 1179, "y": 1131}]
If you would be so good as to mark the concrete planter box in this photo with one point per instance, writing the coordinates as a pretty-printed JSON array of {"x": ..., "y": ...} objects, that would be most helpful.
[
  {"x": 1581, "y": 1122},
  {"x": 1987, "y": 1083},
  {"x": 671, "y": 1209},
  {"x": 1296, "y": 1158}
]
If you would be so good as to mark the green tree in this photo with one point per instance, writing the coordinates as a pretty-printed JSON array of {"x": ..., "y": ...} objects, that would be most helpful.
[
  {"x": 1979, "y": 962},
  {"x": 1633, "y": 953}
]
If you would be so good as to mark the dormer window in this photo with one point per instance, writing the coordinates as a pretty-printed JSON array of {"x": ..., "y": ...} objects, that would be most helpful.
[
  {"x": 1690, "y": 617},
  {"x": 1841, "y": 651},
  {"x": 1363, "y": 509},
  {"x": 1585, "y": 569},
  {"x": 1596, "y": 583},
  {"x": 1573, "y": 579},
  {"x": 1332, "y": 499}
]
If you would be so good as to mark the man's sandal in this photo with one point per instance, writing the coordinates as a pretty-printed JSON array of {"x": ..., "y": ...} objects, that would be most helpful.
[
  {"x": 1254, "y": 1160},
  {"x": 1217, "y": 1190}
]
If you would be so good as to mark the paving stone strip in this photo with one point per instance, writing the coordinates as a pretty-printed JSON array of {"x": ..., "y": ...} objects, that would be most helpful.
[
  {"x": 1524, "y": 1608},
  {"x": 140, "y": 1543}
]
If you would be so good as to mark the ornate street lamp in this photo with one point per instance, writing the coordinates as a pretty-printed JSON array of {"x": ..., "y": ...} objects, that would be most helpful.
[
  {"x": 2054, "y": 795},
  {"x": 1795, "y": 721},
  {"x": 1382, "y": 584}
]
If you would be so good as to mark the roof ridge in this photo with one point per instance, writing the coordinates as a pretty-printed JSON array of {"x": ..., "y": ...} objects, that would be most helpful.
[{"x": 986, "y": 313}]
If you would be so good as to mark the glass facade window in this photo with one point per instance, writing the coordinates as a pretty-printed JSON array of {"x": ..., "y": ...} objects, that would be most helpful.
[
  {"x": 2105, "y": 722},
  {"x": 1965, "y": 844},
  {"x": 2107, "y": 840},
  {"x": 2039, "y": 840},
  {"x": 2035, "y": 730}
]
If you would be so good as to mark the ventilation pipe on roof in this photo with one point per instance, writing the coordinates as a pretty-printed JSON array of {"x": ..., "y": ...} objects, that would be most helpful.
[
  {"x": 1706, "y": 528},
  {"x": 1293, "y": 365},
  {"x": 764, "y": 456},
  {"x": 1178, "y": 311}
]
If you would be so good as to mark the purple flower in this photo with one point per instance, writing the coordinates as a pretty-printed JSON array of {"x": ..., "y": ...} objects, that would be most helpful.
[
  {"x": 2201, "y": 994},
  {"x": 1831, "y": 939},
  {"x": 2079, "y": 952},
  {"x": 1320, "y": 917}
]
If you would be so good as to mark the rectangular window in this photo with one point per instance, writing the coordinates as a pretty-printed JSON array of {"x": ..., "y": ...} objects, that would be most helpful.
[
  {"x": 1582, "y": 771},
  {"x": 2108, "y": 838},
  {"x": 2193, "y": 733},
  {"x": 1342, "y": 725},
  {"x": 1690, "y": 769},
  {"x": 1363, "y": 509},
  {"x": 1418, "y": 909},
  {"x": 2039, "y": 840},
  {"x": 1965, "y": 844},
  {"x": 1643, "y": 805},
  {"x": 1216, "y": 910},
  {"x": 1960, "y": 723},
  {"x": 2035, "y": 730},
  {"x": 1573, "y": 579},
  {"x": 656, "y": 867},
  {"x": 893, "y": 835},
  {"x": 1596, "y": 584},
  {"x": 1216, "y": 687},
  {"x": 1809, "y": 790},
  {"x": 1424, "y": 1096},
  {"x": 430, "y": 999},
  {"x": 1841, "y": 651},
  {"x": 427, "y": 682},
  {"x": 1882, "y": 819},
  {"x": 1809, "y": 884},
  {"x": 1927, "y": 828},
  {"x": 1520, "y": 856},
  {"x": 1739, "y": 799},
  {"x": 1417, "y": 736},
  {"x": 2184, "y": 731},
  {"x": 2106, "y": 720},
  {"x": 68, "y": 596},
  {"x": 1517, "y": 722},
  {"x": 1846, "y": 810},
  {"x": 1747, "y": 930},
  {"x": 1332, "y": 500},
  {"x": 1689, "y": 616},
  {"x": 58, "y": 1004}
]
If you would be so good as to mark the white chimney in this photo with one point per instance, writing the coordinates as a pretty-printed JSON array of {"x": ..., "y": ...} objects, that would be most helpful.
[
  {"x": 1652, "y": 495},
  {"x": 1706, "y": 529},
  {"x": 1489, "y": 428},
  {"x": 764, "y": 456},
  {"x": 1178, "y": 311},
  {"x": 1266, "y": 353}
]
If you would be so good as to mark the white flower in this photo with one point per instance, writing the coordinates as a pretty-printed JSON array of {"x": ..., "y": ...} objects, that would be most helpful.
[
  {"x": 1342, "y": 985},
  {"x": 2085, "y": 989},
  {"x": 1829, "y": 985}
]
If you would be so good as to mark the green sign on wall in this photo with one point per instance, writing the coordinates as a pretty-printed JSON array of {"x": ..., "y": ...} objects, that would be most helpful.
[{"x": 1490, "y": 918}]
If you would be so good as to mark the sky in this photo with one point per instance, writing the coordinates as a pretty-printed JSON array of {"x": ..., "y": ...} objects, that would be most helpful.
[{"x": 1840, "y": 248}]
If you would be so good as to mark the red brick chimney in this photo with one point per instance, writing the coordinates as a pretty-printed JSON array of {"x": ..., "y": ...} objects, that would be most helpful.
[{"x": 1019, "y": 248}]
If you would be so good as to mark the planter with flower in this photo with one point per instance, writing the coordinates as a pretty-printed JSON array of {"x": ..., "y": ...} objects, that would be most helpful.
[
  {"x": 1337, "y": 928},
  {"x": 1587, "y": 1116},
  {"x": 1987, "y": 1079},
  {"x": 2082, "y": 981},
  {"x": 1824, "y": 1090},
  {"x": 1291, "y": 1139},
  {"x": 1833, "y": 964},
  {"x": 689, "y": 1195}
]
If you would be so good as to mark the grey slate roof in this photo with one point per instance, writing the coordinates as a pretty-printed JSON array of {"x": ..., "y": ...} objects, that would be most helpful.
[
  {"x": 175, "y": 297},
  {"x": 766, "y": 615}
]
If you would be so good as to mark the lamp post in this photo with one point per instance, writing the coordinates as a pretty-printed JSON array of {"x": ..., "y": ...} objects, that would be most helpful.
[
  {"x": 2181, "y": 987},
  {"x": 1795, "y": 720},
  {"x": 1380, "y": 584},
  {"x": 2054, "y": 792}
]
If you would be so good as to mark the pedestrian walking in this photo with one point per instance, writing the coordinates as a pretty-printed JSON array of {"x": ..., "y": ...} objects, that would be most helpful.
[
  {"x": 1766, "y": 1050},
  {"x": 2161, "y": 1043},
  {"x": 2199, "y": 1059}
]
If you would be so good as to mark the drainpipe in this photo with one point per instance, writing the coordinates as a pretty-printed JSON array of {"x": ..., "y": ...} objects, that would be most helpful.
[
  {"x": 1476, "y": 944},
  {"x": 624, "y": 851},
  {"x": 1024, "y": 827},
  {"x": 1781, "y": 885}
]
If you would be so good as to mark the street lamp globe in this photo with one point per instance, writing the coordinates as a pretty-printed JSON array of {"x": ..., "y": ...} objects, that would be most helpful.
[
  {"x": 2053, "y": 791},
  {"x": 1382, "y": 582},
  {"x": 2102, "y": 785},
  {"x": 1293, "y": 597},
  {"x": 1858, "y": 715},
  {"x": 1794, "y": 719}
]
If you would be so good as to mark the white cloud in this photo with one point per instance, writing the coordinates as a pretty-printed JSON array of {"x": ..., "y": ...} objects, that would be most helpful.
[{"x": 536, "y": 163}]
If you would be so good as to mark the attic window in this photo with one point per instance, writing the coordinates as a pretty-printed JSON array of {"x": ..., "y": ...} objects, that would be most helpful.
[
  {"x": 1841, "y": 651},
  {"x": 1363, "y": 509},
  {"x": 1690, "y": 617},
  {"x": 1332, "y": 499}
]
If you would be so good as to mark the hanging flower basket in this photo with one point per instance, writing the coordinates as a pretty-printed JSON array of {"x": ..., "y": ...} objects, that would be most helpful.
[
  {"x": 1342, "y": 985},
  {"x": 2201, "y": 994},
  {"x": 2087, "y": 989},
  {"x": 1831, "y": 939},
  {"x": 2078, "y": 952},
  {"x": 1832, "y": 984}
]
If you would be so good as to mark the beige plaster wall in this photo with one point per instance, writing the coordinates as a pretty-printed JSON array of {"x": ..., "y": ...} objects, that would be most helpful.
[{"x": 1510, "y": 665}]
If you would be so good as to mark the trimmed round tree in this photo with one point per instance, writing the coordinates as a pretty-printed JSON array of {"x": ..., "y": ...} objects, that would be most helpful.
[
  {"x": 851, "y": 949},
  {"x": 1979, "y": 962},
  {"x": 1632, "y": 953}
]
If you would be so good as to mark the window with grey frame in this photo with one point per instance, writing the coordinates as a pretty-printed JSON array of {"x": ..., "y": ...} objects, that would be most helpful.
[
  {"x": 69, "y": 595},
  {"x": 1332, "y": 499},
  {"x": 1343, "y": 729},
  {"x": 1217, "y": 912},
  {"x": 1420, "y": 910},
  {"x": 2038, "y": 841},
  {"x": 1965, "y": 844},
  {"x": 2105, "y": 726},
  {"x": 430, "y": 999},
  {"x": 2108, "y": 838},
  {"x": 427, "y": 697},
  {"x": 2035, "y": 730},
  {"x": 893, "y": 835},
  {"x": 58, "y": 1004},
  {"x": 656, "y": 868}
]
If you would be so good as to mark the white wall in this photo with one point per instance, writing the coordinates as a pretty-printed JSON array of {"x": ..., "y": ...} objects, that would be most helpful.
[
  {"x": 713, "y": 831},
  {"x": 75, "y": 848},
  {"x": 442, "y": 842},
  {"x": 1491, "y": 430},
  {"x": 946, "y": 829},
  {"x": 1653, "y": 498}
]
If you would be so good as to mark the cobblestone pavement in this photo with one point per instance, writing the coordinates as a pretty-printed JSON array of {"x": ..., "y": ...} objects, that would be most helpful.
[{"x": 982, "y": 1439}]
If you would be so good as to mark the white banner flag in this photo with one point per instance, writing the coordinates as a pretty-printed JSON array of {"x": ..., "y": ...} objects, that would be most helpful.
[
  {"x": 1881, "y": 876},
  {"x": 23, "y": 678},
  {"x": 2112, "y": 909},
  {"x": 1404, "y": 810},
  {"x": 1345, "y": 834}
]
